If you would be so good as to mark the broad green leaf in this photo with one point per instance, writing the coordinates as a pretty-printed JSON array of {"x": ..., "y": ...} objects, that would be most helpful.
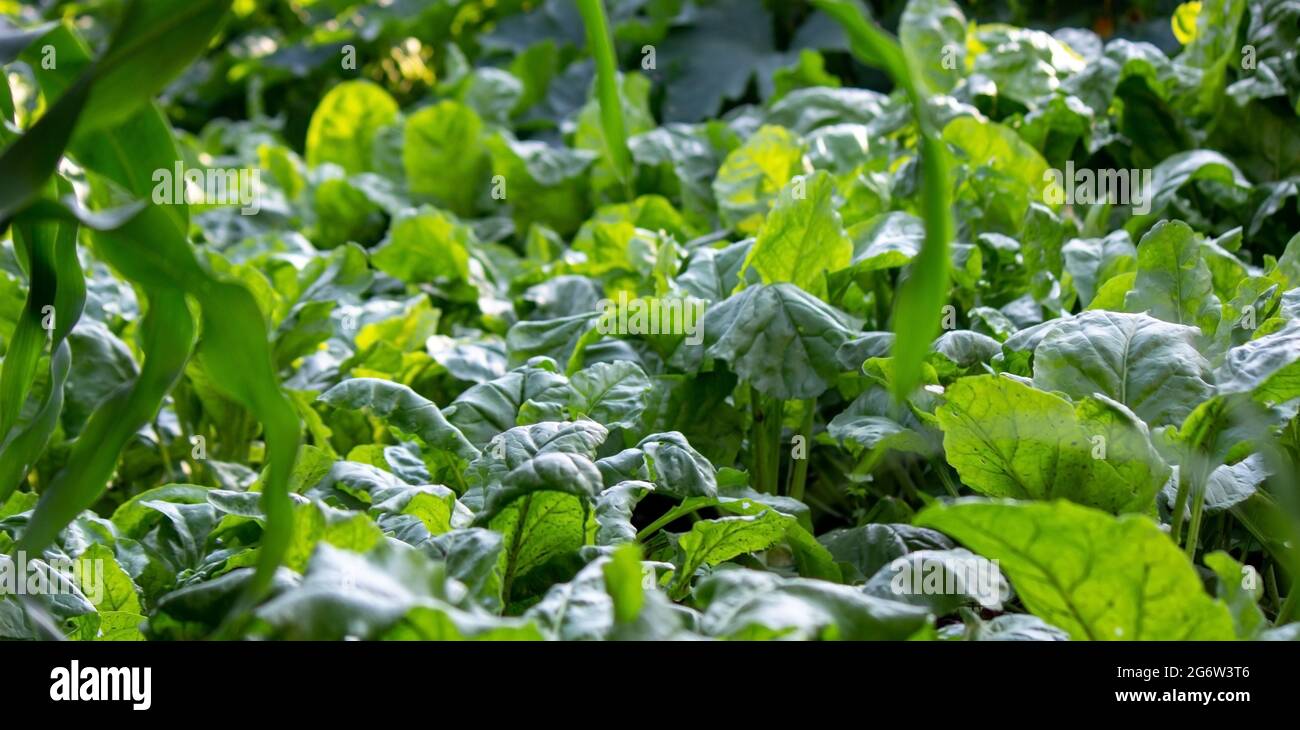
[
  {"x": 753, "y": 174},
  {"x": 1173, "y": 281},
  {"x": 867, "y": 549},
  {"x": 933, "y": 36},
  {"x": 676, "y": 468},
  {"x": 710, "y": 542},
  {"x": 1174, "y": 172},
  {"x": 1007, "y": 627},
  {"x": 942, "y": 581},
  {"x": 1099, "y": 577},
  {"x": 541, "y": 183},
  {"x": 551, "y": 456},
  {"x": 346, "y": 595},
  {"x": 1092, "y": 262},
  {"x": 612, "y": 394},
  {"x": 874, "y": 422},
  {"x": 536, "y": 527},
  {"x": 998, "y": 147},
  {"x": 1007, "y": 439},
  {"x": 752, "y": 605},
  {"x": 403, "y": 410},
  {"x": 1111, "y": 295},
  {"x": 606, "y": 600},
  {"x": 614, "y": 508},
  {"x": 562, "y": 339},
  {"x": 344, "y": 125},
  {"x": 886, "y": 241},
  {"x": 440, "y": 623},
  {"x": 426, "y": 246},
  {"x": 779, "y": 338},
  {"x": 316, "y": 524},
  {"x": 444, "y": 155},
  {"x": 802, "y": 239},
  {"x": 1150, "y": 366},
  {"x": 344, "y": 213},
  {"x": 115, "y": 590},
  {"x": 1240, "y": 588},
  {"x": 1268, "y": 367},
  {"x": 490, "y": 408},
  {"x": 472, "y": 556}
]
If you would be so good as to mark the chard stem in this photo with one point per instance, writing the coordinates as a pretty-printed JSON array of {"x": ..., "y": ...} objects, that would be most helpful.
[{"x": 799, "y": 467}]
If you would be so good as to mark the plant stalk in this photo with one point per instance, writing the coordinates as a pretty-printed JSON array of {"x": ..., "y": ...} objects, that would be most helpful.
[{"x": 799, "y": 467}]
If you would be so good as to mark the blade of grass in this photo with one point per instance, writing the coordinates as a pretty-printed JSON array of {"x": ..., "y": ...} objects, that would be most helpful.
[
  {"x": 919, "y": 301},
  {"x": 601, "y": 45},
  {"x": 167, "y": 336},
  {"x": 54, "y": 266},
  {"x": 153, "y": 43}
]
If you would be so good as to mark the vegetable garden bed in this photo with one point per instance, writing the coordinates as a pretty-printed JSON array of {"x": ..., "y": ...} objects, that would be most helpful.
[{"x": 648, "y": 319}]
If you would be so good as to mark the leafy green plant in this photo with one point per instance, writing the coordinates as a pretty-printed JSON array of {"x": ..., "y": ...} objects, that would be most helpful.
[{"x": 648, "y": 321}]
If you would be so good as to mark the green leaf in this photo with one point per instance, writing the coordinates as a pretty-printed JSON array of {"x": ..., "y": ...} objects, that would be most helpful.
[
  {"x": 344, "y": 125},
  {"x": 403, "y": 410},
  {"x": 802, "y": 239},
  {"x": 808, "y": 72},
  {"x": 779, "y": 338},
  {"x": 444, "y": 155},
  {"x": 426, "y": 245},
  {"x": 623, "y": 578},
  {"x": 1001, "y": 149},
  {"x": 933, "y": 36},
  {"x": 886, "y": 241},
  {"x": 1173, "y": 281},
  {"x": 115, "y": 590},
  {"x": 711, "y": 542},
  {"x": 614, "y": 508},
  {"x": 1240, "y": 588},
  {"x": 612, "y": 394},
  {"x": 942, "y": 581},
  {"x": 1096, "y": 576},
  {"x": 554, "y": 455},
  {"x": 563, "y": 339},
  {"x": 750, "y": 605},
  {"x": 1175, "y": 172},
  {"x": 1007, "y": 627},
  {"x": 1007, "y": 439},
  {"x": 1150, "y": 366},
  {"x": 865, "y": 550},
  {"x": 676, "y": 468},
  {"x": 874, "y": 422},
  {"x": 1268, "y": 368},
  {"x": 362, "y": 596},
  {"x": 754, "y": 174},
  {"x": 490, "y": 408},
  {"x": 543, "y": 184},
  {"x": 1092, "y": 262},
  {"x": 606, "y": 600}
]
